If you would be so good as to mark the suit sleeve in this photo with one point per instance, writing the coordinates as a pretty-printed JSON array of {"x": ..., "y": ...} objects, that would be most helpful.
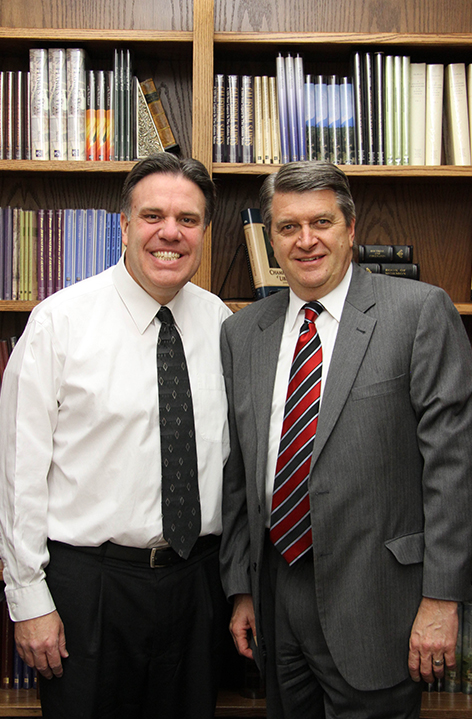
[
  {"x": 235, "y": 552},
  {"x": 441, "y": 395}
]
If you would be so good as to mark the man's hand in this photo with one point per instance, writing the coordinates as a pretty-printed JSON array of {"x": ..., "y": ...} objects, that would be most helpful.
[
  {"x": 242, "y": 623},
  {"x": 433, "y": 639},
  {"x": 41, "y": 643}
]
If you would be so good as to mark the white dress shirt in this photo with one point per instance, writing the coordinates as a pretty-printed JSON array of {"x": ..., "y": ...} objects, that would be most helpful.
[
  {"x": 79, "y": 412},
  {"x": 327, "y": 325}
]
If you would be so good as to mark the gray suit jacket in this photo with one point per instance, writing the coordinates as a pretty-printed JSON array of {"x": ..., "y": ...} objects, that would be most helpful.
[{"x": 390, "y": 485}]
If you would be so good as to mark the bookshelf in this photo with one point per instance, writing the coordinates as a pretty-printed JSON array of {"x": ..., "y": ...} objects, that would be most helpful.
[{"x": 180, "y": 43}]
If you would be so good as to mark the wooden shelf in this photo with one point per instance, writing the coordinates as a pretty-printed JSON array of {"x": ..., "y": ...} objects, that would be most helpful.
[
  {"x": 364, "y": 171},
  {"x": 24, "y": 703}
]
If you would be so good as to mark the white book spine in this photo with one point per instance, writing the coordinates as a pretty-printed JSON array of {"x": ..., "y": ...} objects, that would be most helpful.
[
  {"x": 76, "y": 103},
  {"x": 434, "y": 113},
  {"x": 266, "y": 132},
  {"x": 57, "y": 103},
  {"x": 469, "y": 96},
  {"x": 258, "y": 127},
  {"x": 38, "y": 60},
  {"x": 457, "y": 113},
  {"x": 405, "y": 110},
  {"x": 397, "y": 109},
  {"x": 274, "y": 119},
  {"x": 417, "y": 112},
  {"x": 389, "y": 110}
]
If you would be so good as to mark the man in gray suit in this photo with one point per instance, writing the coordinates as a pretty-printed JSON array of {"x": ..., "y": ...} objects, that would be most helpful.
[{"x": 351, "y": 626}]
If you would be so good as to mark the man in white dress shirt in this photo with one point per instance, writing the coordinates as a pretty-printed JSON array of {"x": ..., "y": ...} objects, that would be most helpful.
[{"x": 103, "y": 607}]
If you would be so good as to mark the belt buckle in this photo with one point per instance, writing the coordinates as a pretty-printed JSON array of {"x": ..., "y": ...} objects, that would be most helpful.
[{"x": 153, "y": 559}]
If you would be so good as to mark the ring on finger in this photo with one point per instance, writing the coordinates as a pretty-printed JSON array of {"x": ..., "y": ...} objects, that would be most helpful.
[{"x": 438, "y": 662}]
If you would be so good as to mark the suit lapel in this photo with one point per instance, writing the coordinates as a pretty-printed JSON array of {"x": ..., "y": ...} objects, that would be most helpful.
[
  {"x": 354, "y": 334},
  {"x": 263, "y": 368}
]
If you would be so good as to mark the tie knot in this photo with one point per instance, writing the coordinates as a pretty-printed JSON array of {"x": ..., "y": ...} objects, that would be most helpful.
[
  {"x": 312, "y": 310},
  {"x": 165, "y": 316}
]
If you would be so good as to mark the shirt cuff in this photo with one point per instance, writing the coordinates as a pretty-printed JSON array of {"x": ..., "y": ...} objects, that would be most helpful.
[{"x": 29, "y": 602}]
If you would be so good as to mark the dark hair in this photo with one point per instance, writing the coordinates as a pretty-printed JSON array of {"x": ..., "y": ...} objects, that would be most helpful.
[
  {"x": 167, "y": 164},
  {"x": 304, "y": 177}
]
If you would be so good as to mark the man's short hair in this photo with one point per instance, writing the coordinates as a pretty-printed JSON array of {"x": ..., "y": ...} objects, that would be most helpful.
[
  {"x": 168, "y": 164},
  {"x": 305, "y": 177}
]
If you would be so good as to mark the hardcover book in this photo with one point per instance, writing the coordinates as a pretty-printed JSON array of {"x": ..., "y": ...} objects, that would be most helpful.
[
  {"x": 267, "y": 275},
  {"x": 39, "y": 99}
]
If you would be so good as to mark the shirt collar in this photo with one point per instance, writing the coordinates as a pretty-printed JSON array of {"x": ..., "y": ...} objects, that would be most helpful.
[{"x": 333, "y": 302}]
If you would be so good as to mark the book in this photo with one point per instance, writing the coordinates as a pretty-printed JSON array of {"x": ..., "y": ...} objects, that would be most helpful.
[
  {"x": 283, "y": 111},
  {"x": 147, "y": 139},
  {"x": 385, "y": 253},
  {"x": 76, "y": 103},
  {"x": 58, "y": 250},
  {"x": 405, "y": 110},
  {"x": 274, "y": 120},
  {"x": 16, "y": 238},
  {"x": 369, "y": 109},
  {"x": 417, "y": 112},
  {"x": 57, "y": 103},
  {"x": 41, "y": 255},
  {"x": 110, "y": 114},
  {"x": 266, "y": 273},
  {"x": 7, "y": 252},
  {"x": 6, "y": 648},
  {"x": 334, "y": 120},
  {"x": 9, "y": 116},
  {"x": 27, "y": 117},
  {"x": 233, "y": 127},
  {"x": 39, "y": 101},
  {"x": 469, "y": 96},
  {"x": 219, "y": 110},
  {"x": 379, "y": 107},
  {"x": 258, "y": 121},
  {"x": 266, "y": 125},
  {"x": 69, "y": 247},
  {"x": 247, "y": 119},
  {"x": 397, "y": 110},
  {"x": 348, "y": 148},
  {"x": 434, "y": 113},
  {"x": 19, "y": 117},
  {"x": 90, "y": 118},
  {"x": 291, "y": 108},
  {"x": 300, "y": 103},
  {"x": 159, "y": 115},
  {"x": 127, "y": 142},
  {"x": 456, "y": 115},
  {"x": 357, "y": 84},
  {"x": 321, "y": 116},
  {"x": 2, "y": 113},
  {"x": 79, "y": 245},
  {"x": 389, "y": 121},
  {"x": 395, "y": 269}
]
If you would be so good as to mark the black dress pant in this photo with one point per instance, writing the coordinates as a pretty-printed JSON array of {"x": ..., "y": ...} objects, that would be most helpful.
[{"x": 143, "y": 643}]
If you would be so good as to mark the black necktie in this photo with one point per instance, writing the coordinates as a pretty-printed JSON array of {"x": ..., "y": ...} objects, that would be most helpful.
[{"x": 180, "y": 497}]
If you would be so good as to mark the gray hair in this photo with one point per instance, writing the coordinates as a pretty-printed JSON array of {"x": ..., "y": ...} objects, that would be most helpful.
[
  {"x": 305, "y": 177},
  {"x": 167, "y": 164}
]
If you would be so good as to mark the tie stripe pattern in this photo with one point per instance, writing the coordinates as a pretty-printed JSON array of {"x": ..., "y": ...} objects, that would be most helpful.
[{"x": 290, "y": 525}]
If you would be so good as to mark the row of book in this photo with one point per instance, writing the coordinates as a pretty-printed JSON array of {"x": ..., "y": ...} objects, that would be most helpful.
[
  {"x": 15, "y": 674},
  {"x": 42, "y": 251},
  {"x": 390, "y": 111},
  {"x": 61, "y": 110}
]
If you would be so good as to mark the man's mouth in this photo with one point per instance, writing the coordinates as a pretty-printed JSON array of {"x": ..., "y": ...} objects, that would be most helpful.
[{"x": 166, "y": 255}]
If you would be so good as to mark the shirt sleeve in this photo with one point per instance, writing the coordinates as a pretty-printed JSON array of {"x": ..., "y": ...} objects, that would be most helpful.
[{"x": 28, "y": 413}]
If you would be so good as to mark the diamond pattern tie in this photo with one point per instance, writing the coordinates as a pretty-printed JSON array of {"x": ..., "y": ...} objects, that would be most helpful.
[
  {"x": 180, "y": 497},
  {"x": 290, "y": 525}
]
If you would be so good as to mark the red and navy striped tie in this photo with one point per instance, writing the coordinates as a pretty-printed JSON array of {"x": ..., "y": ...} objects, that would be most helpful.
[{"x": 290, "y": 525}]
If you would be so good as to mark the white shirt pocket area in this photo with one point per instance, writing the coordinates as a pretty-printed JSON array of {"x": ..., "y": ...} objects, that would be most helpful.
[{"x": 210, "y": 407}]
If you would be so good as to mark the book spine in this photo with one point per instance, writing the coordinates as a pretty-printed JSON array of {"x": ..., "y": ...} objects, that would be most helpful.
[
  {"x": 389, "y": 111},
  {"x": 15, "y": 286},
  {"x": 233, "y": 139},
  {"x": 79, "y": 244},
  {"x": 357, "y": 83},
  {"x": 379, "y": 107},
  {"x": 274, "y": 120},
  {"x": 101, "y": 115},
  {"x": 58, "y": 250},
  {"x": 369, "y": 100},
  {"x": 8, "y": 252},
  {"x": 265, "y": 270},
  {"x": 347, "y": 122},
  {"x": 33, "y": 254},
  {"x": 110, "y": 114},
  {"x": 76, "y": 101},
  {"x": 247, "y": 119},
  {"x": 334, "y": 120},
  {"x": 258, "y": 121},
  {"x": 417, "y": 112},
  {"x": 41, "y": 255},
  {"x": 39, "y": 100},
  {"x": 127, "y": 121},
  {"x": 406, "y": 110},
  {"x": 469, "y": 97},
  {"x": 27, "y": 116},
  {"x": 300, "y": 100},
  {"x": 219, "y": 107},
  {"x": 310, "y": 118},
  {"x": 9, "y": 116},
  {"x": 23, "y": 268},
  {"x": 69, "y": 247},
  {"x": 2, "y": 113},
  {"x": 455, "y": 91},
  {"x": 408, "y": 270},
  {"x": 283, "y": 110},
  {"x": 292, "y": 108},
  {"x": 397, "y": 109},
  {"x": 159, "y": 115},
  {"x": 108, "y": 231},
  {"x": 266, "y": 133},
  {"x": 90, "y": 241},
  {"x": 321, "y": 114},
  {"x": 117, "y": 101},
  {"x": 57, "y": 103},
  {"x": 50, "y": 250},
  {"x": 434, "y": 112},
  {"x": 19, "y": 119},
  {"x": 90, "y": 118},
  {"x": 2, "y": 251},
  {"x": 100, "y": 243}
]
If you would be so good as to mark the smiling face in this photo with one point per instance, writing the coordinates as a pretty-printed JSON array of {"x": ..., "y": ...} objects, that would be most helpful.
[
  {"x": 311, "y": 241},
  {"x": 164, "y": 234}
]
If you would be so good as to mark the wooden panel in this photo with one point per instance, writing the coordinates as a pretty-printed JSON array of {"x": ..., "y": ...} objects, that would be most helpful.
[
  {"x": 138, "y": 15},
  {"x": 343, "y": 16}
]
